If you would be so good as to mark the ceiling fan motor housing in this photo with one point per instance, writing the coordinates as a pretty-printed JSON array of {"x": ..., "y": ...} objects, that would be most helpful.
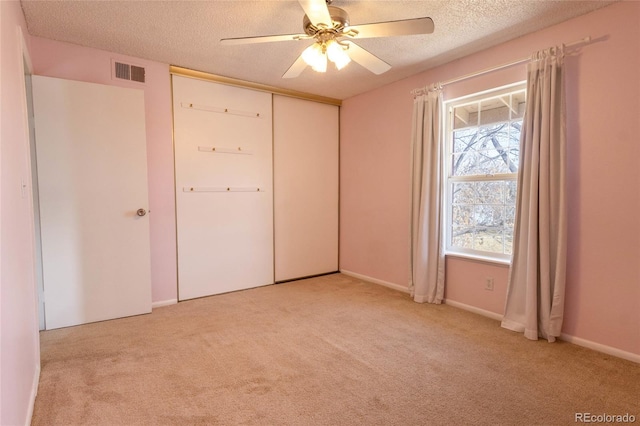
[{"x": 339, "y": 18}]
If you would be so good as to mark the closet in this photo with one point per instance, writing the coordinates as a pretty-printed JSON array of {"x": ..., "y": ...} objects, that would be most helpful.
[
  {"x": 306, "y": 187},
  {"x": 256, "y": 187}
]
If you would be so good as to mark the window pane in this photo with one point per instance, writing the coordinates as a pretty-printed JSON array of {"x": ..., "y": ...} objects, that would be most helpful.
[
  {"x": 464, "y": 164},
  {"x": 508, "y": 241},
  {"x": 510, "y": 195},
  {"x": 465, "y": 116},
  {"x": 488, "y": 239},
  {"x": 484, "y": 151},
  {"x": 514, "y": 159},
  {"x": 515, "y": 128},
  {"x": 488, "y": 215},
  {"x": 463, "y": 193},
  {"x": 491, "y": 162},
  {"x": 495, "y": 136},
  {"x": 509, "y": 216},
  {"x": 464, "y": 140},
  {"x": 462, "y": 216},
  {"x": 462, "y": 237},
  {"x": 494, "y": 110},
  {"x": 514, "y": 145},
  {"x": 490, "y": 192}
]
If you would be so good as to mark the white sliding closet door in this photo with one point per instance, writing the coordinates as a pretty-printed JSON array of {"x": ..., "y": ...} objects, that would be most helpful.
[
  {"x": 224, "y": 187},
  {"x": 306, "y": 149}
]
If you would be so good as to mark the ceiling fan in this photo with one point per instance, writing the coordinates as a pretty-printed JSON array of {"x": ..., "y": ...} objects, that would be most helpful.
[{"x": 329, "y": 27}]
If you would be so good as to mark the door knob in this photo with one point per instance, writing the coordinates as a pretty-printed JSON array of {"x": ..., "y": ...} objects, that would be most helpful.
[{"x": 141, "y": 212}]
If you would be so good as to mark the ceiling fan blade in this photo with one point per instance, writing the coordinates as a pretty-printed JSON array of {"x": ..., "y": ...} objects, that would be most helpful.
[
  {"x": 296, "y": 69},
  {"x": 367, "y": 59},
  {"x": 394, "y": 28},
  {"x": 262, "y": 39},
  {"x": 316, "y": 11}
]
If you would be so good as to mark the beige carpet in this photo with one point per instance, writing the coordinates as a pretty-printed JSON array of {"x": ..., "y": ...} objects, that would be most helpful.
[{"x": 331, "y": 350}]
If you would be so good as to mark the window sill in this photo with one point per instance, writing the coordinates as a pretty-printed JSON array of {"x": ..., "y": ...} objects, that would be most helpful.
[{"x": 479, "y": 258}]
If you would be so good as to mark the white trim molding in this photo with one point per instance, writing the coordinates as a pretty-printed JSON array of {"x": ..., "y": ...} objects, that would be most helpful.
[
  {"x": 162, "y": 303},
  {"x": 34, "y": 393},
  {"x": 599, "y": 347},
  {"x": 484, "y": 313},
  {"x": 394, "y": 286}
]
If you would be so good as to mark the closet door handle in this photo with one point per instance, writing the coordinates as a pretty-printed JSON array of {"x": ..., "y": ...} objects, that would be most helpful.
[{"x": 141, "y": 212}]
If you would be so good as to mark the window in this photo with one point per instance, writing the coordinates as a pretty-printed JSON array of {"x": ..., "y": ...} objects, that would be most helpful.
[{"x": 482, "y": 154}]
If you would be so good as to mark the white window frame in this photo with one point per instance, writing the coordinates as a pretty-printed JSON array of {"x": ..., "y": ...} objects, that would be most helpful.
[{"x": 448, "y": 179}]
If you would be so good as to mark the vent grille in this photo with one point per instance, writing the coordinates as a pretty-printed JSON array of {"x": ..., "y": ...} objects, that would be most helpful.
[
  {"x": 137, "y": 74},
  {"x": 128, "y": 72},
  {"x": 123, "y": 71}
]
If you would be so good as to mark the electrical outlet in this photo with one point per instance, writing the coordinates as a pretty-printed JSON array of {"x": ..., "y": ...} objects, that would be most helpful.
[{"x": 488, "y": 284}]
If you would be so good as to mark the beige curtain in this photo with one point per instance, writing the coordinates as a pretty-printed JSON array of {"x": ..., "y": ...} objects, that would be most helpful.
[
  {"x": 427, "y": 256},
  {"x": 535, "y": 294}
]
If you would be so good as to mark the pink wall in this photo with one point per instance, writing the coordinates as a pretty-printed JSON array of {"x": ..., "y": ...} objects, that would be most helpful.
[
  {"x": 19, "y": 346},
  {"x": 603, "y": 95},
  {"x": 73, "y": 62}
]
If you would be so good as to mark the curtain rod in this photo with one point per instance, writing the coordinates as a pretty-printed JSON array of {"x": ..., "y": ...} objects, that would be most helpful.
[{"x": 583, "y": 40}]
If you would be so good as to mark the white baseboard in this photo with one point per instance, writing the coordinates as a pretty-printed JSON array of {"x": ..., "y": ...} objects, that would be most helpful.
[
  {"x": 473, "y": 309},
  {"x": 376, "y": 281},
  {"x": 162, "y": 303},
  {"x": 598, "y": 347},
  {"x": 609, "y": 350},
  {"x": 34, "y": 393}
]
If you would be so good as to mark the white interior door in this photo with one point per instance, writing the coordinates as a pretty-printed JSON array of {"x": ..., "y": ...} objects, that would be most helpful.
[
  {"x": 224, "y": 181},
  {"x": 92, "y": 177},
  {"x": 306, "y": 150}
]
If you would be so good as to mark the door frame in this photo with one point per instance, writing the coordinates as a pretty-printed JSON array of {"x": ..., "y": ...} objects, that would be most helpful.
[{"x": 27, "y": 70}]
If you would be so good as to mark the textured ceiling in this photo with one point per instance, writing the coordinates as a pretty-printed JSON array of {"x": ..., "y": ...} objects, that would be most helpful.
[{"x": 187, "y": 34}]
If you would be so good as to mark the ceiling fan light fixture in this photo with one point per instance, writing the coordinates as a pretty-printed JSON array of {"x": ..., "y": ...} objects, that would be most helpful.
[
  {"x": 317, "y": 54},
  {"x": 321, "y": 65},
  {"x": 337, "y": 54},
  {"x": 315, "y": 57}
]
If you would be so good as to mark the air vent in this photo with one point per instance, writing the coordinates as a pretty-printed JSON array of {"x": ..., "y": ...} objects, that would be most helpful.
[
  {"x": 129, "y": 72},
  {"x": 137, "y": 74}
]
